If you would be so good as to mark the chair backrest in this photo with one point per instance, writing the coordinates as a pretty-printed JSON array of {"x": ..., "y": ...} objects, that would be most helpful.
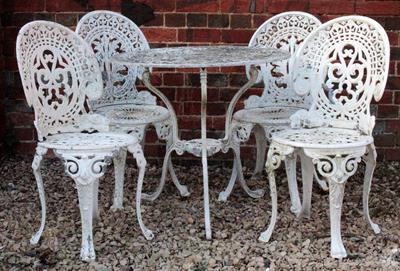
[
  {"x": 110, "y": 33},
  {"x": 343, "y": 64},
  {"x": 284, "y": 31},
  {"x": 59, "y": 72}
]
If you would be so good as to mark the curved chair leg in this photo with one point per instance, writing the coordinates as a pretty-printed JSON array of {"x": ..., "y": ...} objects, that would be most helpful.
[
  {"x": 183, "y": 190},
  {"x": 96, "y": 212},
  {"x": 153, "y": 196},
  {"x": 307, "y": 172},
  {"x": 261, "y": 143},
  {"x": 85, "y": 193},
  {"x": 36, "y": 164},
  {"x": 370, "y": 163},
  {"x": 141, "y": 164},
  {"x": 258, "y": 193},
  {"x": 290, "y": 165},
  {"x": 223, "y": 196},
  {"x": 119, "y": 168}
]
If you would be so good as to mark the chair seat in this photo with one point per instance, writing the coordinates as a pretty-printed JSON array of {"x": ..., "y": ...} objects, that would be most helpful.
[
  {"x": 135, "y": 114},
  {"x": 322, "y": 138},
  {"x": 83, "y": 141},
  {"x": 265, "y": 115}
]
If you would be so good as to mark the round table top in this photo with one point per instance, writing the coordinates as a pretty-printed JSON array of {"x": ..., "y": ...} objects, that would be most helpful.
[{"x": 201, "y": 56}]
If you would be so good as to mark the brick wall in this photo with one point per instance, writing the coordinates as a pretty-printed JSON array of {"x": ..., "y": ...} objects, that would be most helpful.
[{"x": 178, "y": 22}]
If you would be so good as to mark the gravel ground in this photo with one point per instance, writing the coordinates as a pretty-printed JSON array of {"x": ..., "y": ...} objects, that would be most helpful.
[{"x": 178, "y": 224}]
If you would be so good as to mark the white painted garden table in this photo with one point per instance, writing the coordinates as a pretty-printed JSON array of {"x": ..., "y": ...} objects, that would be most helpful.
[{"x": 202, "y": 58}]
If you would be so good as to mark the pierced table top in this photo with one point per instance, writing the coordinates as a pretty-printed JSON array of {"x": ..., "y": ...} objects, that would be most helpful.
[{"x": 201, "y": 56}]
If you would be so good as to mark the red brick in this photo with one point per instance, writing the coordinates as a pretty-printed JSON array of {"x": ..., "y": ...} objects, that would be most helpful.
[
  {"x": 160, "y": 5},
  {"x": 393, "y": 126},
  {"x": 188, "y": 122},
  {"x": 173, "y": 79},
  {"x": 196, "y": 20},
  {"x": 157, "y": 21},
  {"x": 197, "y": 6},
  {"x": 235, "y": 6},
  {"x": 24, "y": 134},
  {"x": 378, "y": 7},
  {"x": 20, "y": 119},
  {"x": 240, "y": 21},
  {"x": 393, "y": 38},
  {"x": 237, "y": 36},
  {"x": 218, "y": 20},
  {"x": 277, "y": 6},
  {"x": 194, "y": 94},
  {"x": 393, "y": 83},
  {"x": 25, "y": 147},
  {"x": 392, "y": 154},
  {"x": 258, "y": 20},
  {"x": 175, "y": 19},
  {"x": 67, "y": 19},
  {"x": 64, "y": 5},
  {"x": 388, "y": 111},
  {"x": 332, "y": 7},
  {"x": 24, "y": 5},
  {"x": 154, "y": 34},
  {"x": 199, "y": 35}
]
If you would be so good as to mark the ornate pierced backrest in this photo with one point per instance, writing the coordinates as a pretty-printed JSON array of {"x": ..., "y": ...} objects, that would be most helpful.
[
  {"x": 58, "y": 72},
  {"x": 110, "y": 33},
  {"x": 285, "y": 31},
  {"x": 344, "y": 63}
]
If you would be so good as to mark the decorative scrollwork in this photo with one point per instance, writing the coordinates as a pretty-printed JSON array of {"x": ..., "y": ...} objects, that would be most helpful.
[
  {"x": 346, "y": 64},
  {"x": 276, "y": 154},
  {"x": 58, "y": 72},
  {"x": 285, "y": 31},
  {"x": 164, "y": 129},
  {"x": 109, "y": 34}
]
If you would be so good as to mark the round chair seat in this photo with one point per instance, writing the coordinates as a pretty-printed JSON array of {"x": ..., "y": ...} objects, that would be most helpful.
[
  {"x": 322, "y": 138},
  {"x": 135, "y": 114},
  {"x": 83, "y": 141},
  {"x": 265, "y": 115}
]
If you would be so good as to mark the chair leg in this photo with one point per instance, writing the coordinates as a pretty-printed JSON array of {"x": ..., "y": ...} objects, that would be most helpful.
[
  {"x": 307, "y": 172},
  {"x": 85, "y": 193},
  {"x": 223, "y": 196},
  {"x": 290, "y": 165},
  {"x": 141, "y": 164},
  {"x": 258, "y": 193},
  {"x": 322, "y": 183},
  {"x": 36, "y": 164},
  {"x": 266, "y": 235},
  {"x": 370, "y": 163},
  {"x": 153, "y": 196},
  {"x": 119, "y": 168},
  {"x": 261, "y": 143},
  {"x": 96, "y": 212},
  {"x": 183, "y": 190}
]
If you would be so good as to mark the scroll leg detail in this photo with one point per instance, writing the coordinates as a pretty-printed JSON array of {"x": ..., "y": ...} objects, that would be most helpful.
[
  {"x": 322, "y": 183},
  {"x": 307, "y": 172},
  {"x": 85, "y": 194},
  {"x": 141, "y": 163},
  {"x": 36, "y": 164},
  {"x": 370, "y": 163},
  {"x": 290, "y": 165},
  {"x": 266, "y": 235},
  {"x": 261, "y": 143},
  {"x": 223, "y": 196},
  {"x": 183, "y": 190},
  {"x": 156, "y": 194},
  {"x": 119, "y": 167},
  {"x": 258, "y": 193},
  {"x": 96, "y": 212},
  {"x": 336, "y": 192}
]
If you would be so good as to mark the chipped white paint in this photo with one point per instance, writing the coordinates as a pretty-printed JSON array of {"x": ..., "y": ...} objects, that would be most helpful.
[
  {"x": 60, "y": 74},
  {"x": 342, "y": 65}
]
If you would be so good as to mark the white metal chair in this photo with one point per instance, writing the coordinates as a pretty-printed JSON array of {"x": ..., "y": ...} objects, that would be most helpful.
[
  {"x": 270, "y": 112},
  {"x": 129, "y": 110},
  {"x": 59, "y": 73},
  {"x": 343, "y": 64}
]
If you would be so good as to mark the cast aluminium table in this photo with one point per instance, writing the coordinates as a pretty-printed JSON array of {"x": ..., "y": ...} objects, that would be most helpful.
[{"x": 202, "y": 58}]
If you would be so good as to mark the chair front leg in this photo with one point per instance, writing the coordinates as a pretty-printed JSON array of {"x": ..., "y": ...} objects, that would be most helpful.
[
  {"x": 337, "y": 169},
  {"x": 141, "y": 164},
  {"x": 261, "y": 143},
  {"x": 36, "y": 165},
  {"x": 119, "y": 167},
  {"x": 276, "y": 154},
  {"x": 370, "y": 163},
  {"x": 290, "y": 166},
  {"x": 307, "y": 173}
]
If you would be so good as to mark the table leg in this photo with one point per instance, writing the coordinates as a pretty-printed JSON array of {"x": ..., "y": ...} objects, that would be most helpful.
[{"x": 203, "y": 81}]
